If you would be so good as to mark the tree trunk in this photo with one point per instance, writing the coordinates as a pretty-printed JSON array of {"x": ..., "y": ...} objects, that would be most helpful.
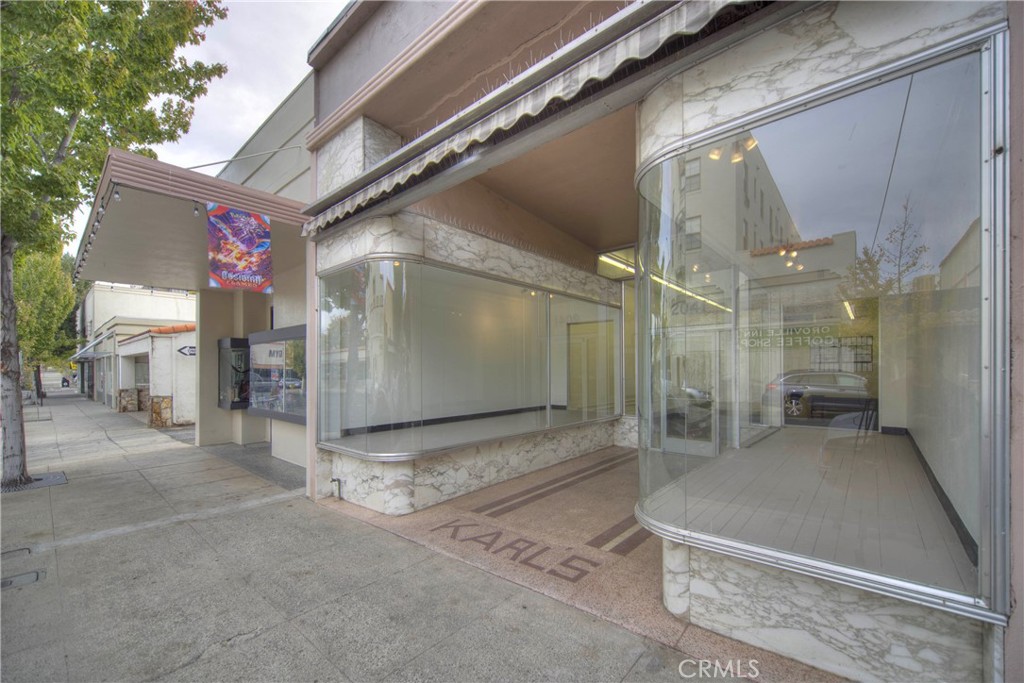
[{"x": 12, "y": 423}]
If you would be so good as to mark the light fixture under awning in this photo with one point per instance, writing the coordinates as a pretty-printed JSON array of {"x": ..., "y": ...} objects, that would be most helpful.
[{"x": 685, "y": 18}]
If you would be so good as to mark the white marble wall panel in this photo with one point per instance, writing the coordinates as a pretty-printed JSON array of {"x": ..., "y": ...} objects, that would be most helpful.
[
  {"x": 815, "y": 48},
  {"x": 446, "y": 476},
  {"x": 853, "y": 633},
  {"x": 384, "y": 487},
  {"x": 340, "y": 159},
  {"x": 378, "y": 143},
  {"x": 324, "y": 473},
  {"x": 627, "y": 432},
  {"x": 448, "y": 244},
  {"x": 357, "y": 147},
  {"x": 675, "y": 577},
  {"x": 382, "y": 235}
]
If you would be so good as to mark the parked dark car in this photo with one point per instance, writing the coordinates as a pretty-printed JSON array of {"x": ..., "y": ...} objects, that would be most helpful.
[{"x": 806, "y": 393}]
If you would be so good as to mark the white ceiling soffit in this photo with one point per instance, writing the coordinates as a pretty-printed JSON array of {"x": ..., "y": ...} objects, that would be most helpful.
[
  {"x": 153, "y": 235},
  {"x": 685, "y": 18}
]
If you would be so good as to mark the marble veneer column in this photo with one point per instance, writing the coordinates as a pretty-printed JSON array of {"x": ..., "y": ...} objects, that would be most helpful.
[{"x": 359, "y": 146}]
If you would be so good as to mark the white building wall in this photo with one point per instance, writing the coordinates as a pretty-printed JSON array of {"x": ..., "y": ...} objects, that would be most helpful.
[
  {"x": 161, "y": 367},
  {"x": 183, "y": 378},
  {"x": 106, "y": 301}
]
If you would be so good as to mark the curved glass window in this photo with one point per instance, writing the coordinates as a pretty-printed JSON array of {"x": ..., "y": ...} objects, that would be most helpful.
[
  {"x": 813, "y": 359},
  {"x": 416, "y": 358}
]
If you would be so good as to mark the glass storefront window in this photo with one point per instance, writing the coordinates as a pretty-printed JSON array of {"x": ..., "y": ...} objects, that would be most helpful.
[
  {"x": 416, "y": 358},
  {"x": 233, "y": 365},
  {"x": 277, "y": 374},
  {"x": 812, "y": 366}
]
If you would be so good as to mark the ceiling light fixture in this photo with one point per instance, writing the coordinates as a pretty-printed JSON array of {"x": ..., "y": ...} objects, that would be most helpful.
[
  {"x": 750, "y": 143},
  {"x": 117, "y": 194},
  {"x": 612, "y": 261},
  {"x": 691, "y": 294},
  {"x": 715, "y": 154},
  {"x": 849, "y": 309}
]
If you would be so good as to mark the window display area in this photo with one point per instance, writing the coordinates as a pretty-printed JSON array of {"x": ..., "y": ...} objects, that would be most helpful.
[
  {"x": 233, "y": 363},
  {"x": 416, "y": 359},
  {"x": 812, "y": 374},
  {"x": 277, "y": 374}
]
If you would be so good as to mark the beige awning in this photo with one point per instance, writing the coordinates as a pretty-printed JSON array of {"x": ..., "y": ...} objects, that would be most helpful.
[
  {"x": 685, "y": 18},
  {"x": 155, "y": 234}
]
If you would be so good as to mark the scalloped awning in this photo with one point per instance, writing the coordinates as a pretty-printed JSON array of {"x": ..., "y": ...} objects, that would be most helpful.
[{"x": 687, "y": 17}]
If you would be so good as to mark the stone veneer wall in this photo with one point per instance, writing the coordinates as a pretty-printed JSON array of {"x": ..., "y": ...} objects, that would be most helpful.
[
  {"x": 144, "y": 401},
  {"x": 849, "y": 631},
  {"x": 161, "y": 413},
  {"x": 626, "y": 433},
  {"x": 403, "y": 487},
  {"x": 398, "y": 488},
  {"x": 127, "y": 400}
]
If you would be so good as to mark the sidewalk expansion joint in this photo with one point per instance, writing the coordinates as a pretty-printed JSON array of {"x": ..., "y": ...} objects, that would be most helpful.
[{"x": 167, "y": 521}]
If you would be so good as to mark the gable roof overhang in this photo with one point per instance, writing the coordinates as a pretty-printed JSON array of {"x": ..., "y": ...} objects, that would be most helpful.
[{"x": 156, "y": 233}]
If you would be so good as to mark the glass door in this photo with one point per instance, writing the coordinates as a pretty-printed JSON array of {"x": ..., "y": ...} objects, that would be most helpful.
[{"x": 692, "y": 403}]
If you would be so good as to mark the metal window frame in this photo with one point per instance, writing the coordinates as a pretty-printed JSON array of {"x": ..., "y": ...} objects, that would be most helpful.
[{"x": 992, "y": 603}]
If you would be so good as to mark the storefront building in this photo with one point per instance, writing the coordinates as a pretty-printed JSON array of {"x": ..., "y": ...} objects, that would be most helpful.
[{"x": 810, "y": 203}]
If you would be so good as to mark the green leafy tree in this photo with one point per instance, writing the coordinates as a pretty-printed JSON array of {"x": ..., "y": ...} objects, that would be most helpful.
[
  {"x": 44, "y": 296},
  {"x": 69, "y": 328},
  {"x": 78, "y": 78}
]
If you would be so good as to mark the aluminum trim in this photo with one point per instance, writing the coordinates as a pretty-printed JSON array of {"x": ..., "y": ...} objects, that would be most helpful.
[
  {"x": 925, "y": 596},
  {"x": 416, "y": 455}
]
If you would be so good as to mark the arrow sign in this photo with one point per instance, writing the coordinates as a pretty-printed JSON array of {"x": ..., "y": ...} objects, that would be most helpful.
[{"x": 187, "y": 350}]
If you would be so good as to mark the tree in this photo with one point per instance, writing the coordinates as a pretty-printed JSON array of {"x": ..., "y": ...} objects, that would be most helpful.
[
  {"x": 902, "y": 252},
  {"x": 69, "y": 328},
  {"x": 44, "y": 296},
  {"x": 78, "y": 78}
]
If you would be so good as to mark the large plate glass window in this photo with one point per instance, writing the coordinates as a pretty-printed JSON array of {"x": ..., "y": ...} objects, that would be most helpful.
[
  {"x": 814, "y": 355},
  {"x": 277, "y": 374},
  {"x": 415, "y": 358}
]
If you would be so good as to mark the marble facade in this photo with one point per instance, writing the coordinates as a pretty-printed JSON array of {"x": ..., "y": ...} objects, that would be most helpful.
[
  {"x": 626, "y": 431},
  {"x": 397, "y": 488},
  {"x": 359, "y": 146},
  {"x": 420, "y": 237},
  {"x": 848, "y": 631},
  {"x": 823, "y": 45}
]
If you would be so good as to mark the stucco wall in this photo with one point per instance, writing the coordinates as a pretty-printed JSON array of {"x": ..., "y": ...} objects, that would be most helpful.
[
  {"x": 104, "y": 302},
  {"x": 183, "y": 378}
]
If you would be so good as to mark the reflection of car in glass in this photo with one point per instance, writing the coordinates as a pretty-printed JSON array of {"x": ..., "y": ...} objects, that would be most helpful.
[
  {"x": 688, "y": 411},
  {"x": 261, "y": 382},
  {"x": 803, "y": 393},
  {"x": 291, "y": 379}
]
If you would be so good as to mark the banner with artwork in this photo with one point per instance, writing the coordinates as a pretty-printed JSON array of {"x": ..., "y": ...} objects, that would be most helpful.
[{"x": 238, "y": 244}]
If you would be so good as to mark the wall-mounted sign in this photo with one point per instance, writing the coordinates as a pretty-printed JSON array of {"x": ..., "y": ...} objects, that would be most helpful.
[
  {"x": 187, "y": 350},
  {"x": 238, "y": 245}
]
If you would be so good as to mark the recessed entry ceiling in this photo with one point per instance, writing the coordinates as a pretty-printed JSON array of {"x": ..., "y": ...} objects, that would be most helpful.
[
  {"x": 155, "y": 234},
  {"x": 581, "y": 183},
  {"x": 157, "y": 241}
]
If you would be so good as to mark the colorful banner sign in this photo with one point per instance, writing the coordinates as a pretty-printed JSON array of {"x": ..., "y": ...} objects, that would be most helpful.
[{"x": 238, "y": 244}]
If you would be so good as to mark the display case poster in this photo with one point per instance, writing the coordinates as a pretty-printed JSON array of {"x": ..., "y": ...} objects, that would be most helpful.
[{"x": 238, "y": 243}]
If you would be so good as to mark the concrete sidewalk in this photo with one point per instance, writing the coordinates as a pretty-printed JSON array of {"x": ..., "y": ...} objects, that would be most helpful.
[{"x": 166, "y": 561}]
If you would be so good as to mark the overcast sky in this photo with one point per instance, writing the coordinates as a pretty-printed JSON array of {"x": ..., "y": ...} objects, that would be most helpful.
[{"x": 264, "y": 44}]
